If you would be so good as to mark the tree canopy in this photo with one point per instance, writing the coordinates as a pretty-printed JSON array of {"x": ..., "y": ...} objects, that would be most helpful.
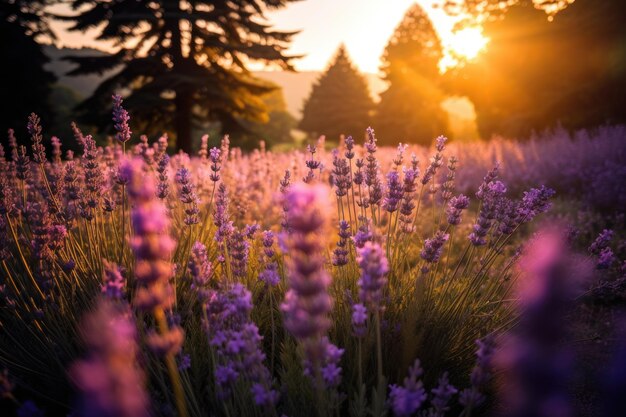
[
  {"x": 26, "y": 85},
  {"x": 183, "y": 63},
  {"x": 536, "y": 74},
  {"x": 410, "y": 109},
  {"x": 340, "y": 102}
]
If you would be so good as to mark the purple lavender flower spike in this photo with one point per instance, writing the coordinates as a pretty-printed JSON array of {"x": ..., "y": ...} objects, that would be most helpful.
[
  {"x": 34, "y": 129},
  {"x": 456, "y": 205},
  {"x": 120, "y": 119},
  {"x": 110, "y": 382},
  {"x": 406, "y": 399},
  {"x": 442, "y": 396},
  {"x": 359, "y": 320},
  {"x": 307, "y": 302},
  {"x": 433, "y": 248},
  {"x": 374, "y": 267},
  {"x": 601, "y": 242},
  {"x": 200, "y": 269},
  {"x": 394, "y": 192},
  {"x": 481, "y": 374},
  {"x": 340, "y": 254},
  {"x": 114, "y": 282}
]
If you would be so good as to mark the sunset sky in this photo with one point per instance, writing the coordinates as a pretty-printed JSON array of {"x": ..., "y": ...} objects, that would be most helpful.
[{"x": 363, "y": 25}]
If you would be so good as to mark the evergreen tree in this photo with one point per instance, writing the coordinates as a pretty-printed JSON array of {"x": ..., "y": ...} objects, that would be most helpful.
[
  {"x": 339, "y": 102},
  {"x": 410, "y": 109},
  {"x": 183, "y": 62},
  {"x": 25, "y": 85}
]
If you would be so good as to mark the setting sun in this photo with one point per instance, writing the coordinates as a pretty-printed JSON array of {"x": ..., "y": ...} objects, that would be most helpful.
[{"x": 467, "y": 43}]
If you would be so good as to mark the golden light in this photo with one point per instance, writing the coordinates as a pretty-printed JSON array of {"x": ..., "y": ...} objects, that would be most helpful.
[{"x": 467, "y": 43}]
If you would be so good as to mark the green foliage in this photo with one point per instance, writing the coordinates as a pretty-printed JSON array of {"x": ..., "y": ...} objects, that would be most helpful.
[
  {"x": 410, "y": 109},
  {"x": 536, "y": 73},
  {"x": 182, "y": 63},
  {"x": 25, "y": 84},
  {"x": 339, "y": 102}
]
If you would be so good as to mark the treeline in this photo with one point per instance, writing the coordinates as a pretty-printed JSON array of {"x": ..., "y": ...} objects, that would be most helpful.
[
  {"x": 183, "y": 66},
  {"x": 548, "y": 63}
]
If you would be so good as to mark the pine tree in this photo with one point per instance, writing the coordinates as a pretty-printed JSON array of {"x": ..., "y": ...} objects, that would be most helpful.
[
  {"x": 410, "y": 109},
  {"x": 183, "y": 62},
  {"x": 339, "y": 102},
  {"x": 25, "y": 84}
]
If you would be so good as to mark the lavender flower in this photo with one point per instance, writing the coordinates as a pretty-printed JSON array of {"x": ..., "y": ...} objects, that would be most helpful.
[
  {"x": 188, "y": 196},
  {"x": 114, "y": 282},
  {"x": 536, "y": 362},
  {"x": 214, "y": 157},
  {"x": 601, "y": 242},
  {"x": 34, "y": 129},
  {"x": 374, "y": 267},
  {"x": 605, "y": 259},
  {"x": 200, "y": 269},
  {"x": 406, "y": 399},
  {"x": 359, "y": 320},
  {"x": 307, "y": 302},
  {"x": 340, "y": 254},
  {"x": 238, "y": 250},
  {"x": 340, "y": 176},
  {"x": 109, "y": 380},
  {"x": 163, "y": 185},
  {"x": 455, "y": 207},
  {"x": 120, "y": 119},
  {"x": 237, "y": 341},
  {"x": 269, "y": 275},
  {"x": 433, "y": 247},
  {"x": 349, "y": 148},
  {"x": 394, "y": 192},
  {"x": 151, "y": 244},
  {"x": 329, "y": 367},
  {"x": 490, "y": 196},
  {"x": 441, "y": 396}
]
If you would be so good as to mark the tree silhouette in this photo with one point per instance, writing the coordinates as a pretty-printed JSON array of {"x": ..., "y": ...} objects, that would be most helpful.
[
  {"x": 536, "y": 74},
  {"x": 339, "y": 102},
  {"x": 25, "y": 85},
  {"x": 410, "y": 109},
  {"x": 183, "y": 62}
]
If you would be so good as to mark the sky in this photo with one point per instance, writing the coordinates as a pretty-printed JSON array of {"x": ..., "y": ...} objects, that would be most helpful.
[{"x": 364, "y": 26}]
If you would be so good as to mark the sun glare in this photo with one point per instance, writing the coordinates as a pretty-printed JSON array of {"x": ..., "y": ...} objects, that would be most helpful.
[{"x": 467, "y": 43}]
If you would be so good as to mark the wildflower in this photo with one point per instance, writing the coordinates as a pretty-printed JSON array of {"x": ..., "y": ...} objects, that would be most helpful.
[
  {"x": 455, "y": 207},
  {"x": 214, "y": 157},
  {"x": 330, "y": 370},
  {"x": 163, "y": 185},
  {"x": 269, "y": 275},
  {"x": 433, "y": 247},
  {"x": 200, "y": 269},
  {"x": 151, "y": 244},
  {"x": 114, "y": 283},
  {"x": 238, "y": 343},
  {"x": 374, "y": 267},
  {"x": 120, "y": 120},
  {"x": 340, "y": 254},
  {"x": 535, "y": 202},
  {"x": 441, "y": 396},
  {"x": 407, "y": 398},
  {"x": 601, "y": 242},
  {"x": 109, "y": 380},
  {"x": 188, "y": 196},
  {"x": 605, "y": 259},
  {"x": 359, "y": 319},
  {"x": 307, "y": 302},
  {"x": 536, "y": 363},
  {"x": 340, "y": 176},
  {"x": 394, "y": 192},
  {"x": 34, "y": 128},
  {"x": 238, "y": 250},
  {"x": 349, "y": 148},
  {"x": 490, "y": 196}
]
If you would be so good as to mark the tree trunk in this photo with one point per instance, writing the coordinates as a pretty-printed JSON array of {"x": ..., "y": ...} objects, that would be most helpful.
[{"x": 183, "y": 125}]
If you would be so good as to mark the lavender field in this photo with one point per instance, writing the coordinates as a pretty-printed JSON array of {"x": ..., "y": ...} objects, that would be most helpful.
[{"x": 456, "y": 280}]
